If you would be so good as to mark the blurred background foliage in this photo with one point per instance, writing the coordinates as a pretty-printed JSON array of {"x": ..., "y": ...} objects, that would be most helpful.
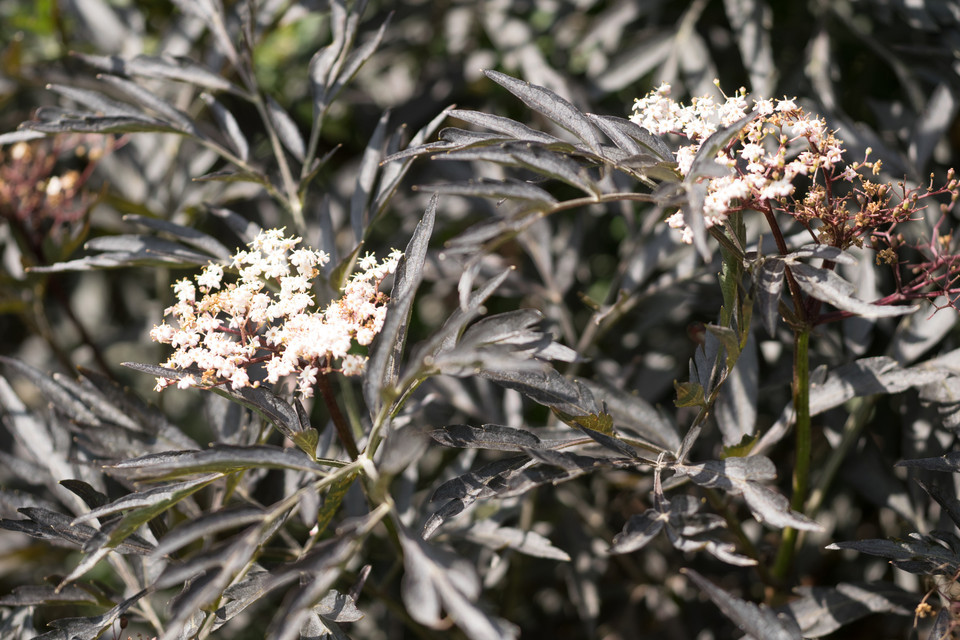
[{"x": 884, "y": 72}]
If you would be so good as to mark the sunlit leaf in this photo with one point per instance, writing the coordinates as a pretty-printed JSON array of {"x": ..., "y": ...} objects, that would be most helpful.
[
  {"x": 551, "y": 105},
  {"x": 827, "y": 285}
]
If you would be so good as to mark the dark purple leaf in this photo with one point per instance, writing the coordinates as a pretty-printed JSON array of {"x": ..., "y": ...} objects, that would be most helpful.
[
  {"x": 435, "y": 580},
  {"x": 366, "y": 175},
  {"x": 828, "y": 286},
  {"x": 187, "y": 235},
  {"x": 769, "y": 282},
  {"x": 822, "y": 610},
  {"x": 220, "y": 458},
  {"x": 91, "y": 627},
  {"x": 504, "y": 125},
  {"x": 30, "y": 595},
  {"x": 759, "y": 621},
  {"x": 208, "y": 525},
  {"x": 165, "y": 66},
  {"x": 387, "y": 349},
  {"x": 551, "y": 105},
  {"x": 632, "y": 138},
  {"x": 640, "y": 529},
  {"x": 501, "y": 189},
  {"x": 918, "y": 554},
  {"x": 229, "y": 126},
  {"x": 153, "y": 102},
  {"x": 286, "y": 129},
  {"x": 140, "y": 507},
  {"x": 489, "y": 436}
]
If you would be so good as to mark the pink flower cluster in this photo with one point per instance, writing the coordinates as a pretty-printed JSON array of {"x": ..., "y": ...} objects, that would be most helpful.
[
  {"x": 267, "y": 318},
  {"x": 763, "y": 160}
]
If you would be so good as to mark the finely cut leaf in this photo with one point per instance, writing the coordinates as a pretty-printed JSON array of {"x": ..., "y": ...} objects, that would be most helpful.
[
  {"x": 354, "y": 60},
  {"x": 742, "y": 476},
  {"x": 153, "y": 501},
  {"x": 638, "y": 531},
  {"x": 229, "y": 126},
  {"x": 504, "y": 125},
  {"x": 462, "y": 491},
  {"x": 50, "y": 525},
  {"x": 704, "y": 163},
  {"x": 393, "y": 173},
  {"x": 949, "y": 462},
  {"x": 759, "y": 621},
  {"x": 30, "y": 595},
  {"x": 490, "y": 436},
  {"x": 286, "y": 129},
  {"x": 96, "y": 101},
  {"x": 435, "y": 580},
  {"x": 769, "y": 282},
  {"x": 207, "y": 525},
  {"x": 382, "y": 367},
  {"x": 489, "y": 534},
  {"x": 93, "y": 626},
  {"x": 164, "y": 66},
  {"x": 188, "y": 235},
  {"x": 103, "y": 124},
  {"x": 822, "y": 610},
  {"x": 827, "y": 285},
  {"x": 271, "y": 406},
  {"x": 821, "y": 251},
  {"x": 24, "y": 135},
  {"x": 632, "y": 138},
  {"x": 551, "y": 105},
  {"x": 221, "y": 458},
  {"x": 918, "y": 554},
  {"x": 945, "y": 497},
  {"x": 366, "y": 175},
  {"x": 553, "y": 165},
  {"x": 153, "y": 102},
  {"x": 129, "y": 250},
  {"x": 501, "y": 189}
]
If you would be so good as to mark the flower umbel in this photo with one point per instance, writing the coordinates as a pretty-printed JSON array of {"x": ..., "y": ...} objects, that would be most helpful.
[
  {"x": 786, "y": 161},
  {"x": 267, "y": 318},
  {"x": 783, "y": 160}
]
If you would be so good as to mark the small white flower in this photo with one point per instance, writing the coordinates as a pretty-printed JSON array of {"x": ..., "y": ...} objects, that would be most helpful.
[
  {"x": 787, "y": 104},
  {"x": 211, "y": 276},
  {"x": 764, "y": 107},
  {"x": 185, "y": 291},
  {"x": 777, "y": 189},
  {"x": 353, "y": 365}
]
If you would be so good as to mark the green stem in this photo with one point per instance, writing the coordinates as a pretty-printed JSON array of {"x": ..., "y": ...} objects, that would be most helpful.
[{"x": 801, "y": 470}]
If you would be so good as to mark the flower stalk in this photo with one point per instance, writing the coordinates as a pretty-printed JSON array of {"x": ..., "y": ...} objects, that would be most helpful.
[{"x": 801, "y": 470}]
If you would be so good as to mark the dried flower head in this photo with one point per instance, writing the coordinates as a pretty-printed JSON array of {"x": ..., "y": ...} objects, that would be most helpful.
[
  {"x": 44, "y": 185},
  {"x": 267, "y": 318}
]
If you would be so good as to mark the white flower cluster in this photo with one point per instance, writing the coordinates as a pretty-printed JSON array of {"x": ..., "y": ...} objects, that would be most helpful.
[
  {"x": 759, "y": 156},
  {"x": 266, "y": 318}
]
